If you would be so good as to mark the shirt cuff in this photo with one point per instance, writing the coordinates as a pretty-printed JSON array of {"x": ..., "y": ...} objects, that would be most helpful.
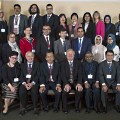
[
  {"x": 103, "y": 84},
  {"x": 118, "y": 84},
  {"x": 97, "y": 81},
  {"x": 42, "y": 85},
  {"x": 33, "y": 82},
  {"x": 23, "y": 83}
]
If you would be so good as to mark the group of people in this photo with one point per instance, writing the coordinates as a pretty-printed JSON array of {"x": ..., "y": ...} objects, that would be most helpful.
[{"x": 43, "y": 53}]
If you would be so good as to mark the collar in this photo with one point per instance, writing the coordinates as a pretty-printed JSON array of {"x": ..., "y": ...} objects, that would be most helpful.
[
  {"x": 62, "y": 40},
  {"x": 49, "y": 15},
  {"x": 29, "y": 63},
  {"x": 17, "y": 15},
  {"x": 50, "y": 64},
  {"x": 46, "y": 36},
  {"x": 34, "y": 15},
  {"x": 81, "y": 38},
  {"x": 109, "y": 62},
  {"x": 70, "y": 61}
]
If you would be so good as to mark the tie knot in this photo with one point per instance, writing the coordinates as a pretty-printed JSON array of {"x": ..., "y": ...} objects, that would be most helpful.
[{"x": 29, "y": 65}]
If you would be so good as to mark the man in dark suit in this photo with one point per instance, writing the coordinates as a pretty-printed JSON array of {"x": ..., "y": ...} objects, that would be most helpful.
[
  {"x": 109, "y": 77},
  {"x": 51, "y": 19},
  {"x": 50, "y": 79},
  {"x": 44, "y": 43},
  {"x": 91, "y": 82},
  {"x": 35, "y": 21},
  {"x": 29, "y": 82},
  {"x": 71, "y": 75},
  {"x": 17, "y": 23},
  {"x": 61, "y": 46},
  {"x": 81, "y": 45}
]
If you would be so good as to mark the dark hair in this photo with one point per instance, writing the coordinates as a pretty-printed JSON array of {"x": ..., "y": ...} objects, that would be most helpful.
[
  {"x": 81, "y": 28},
  {"x": 74, "y": 14},
  {"x": 17, "y": 5},
  {"x": 12, "y": 53},
  {"x": 107, "y": 16},
  {"x": 27, "y": 27},
  {"x": 49, "y": 51},
  {"x": 95, "y": 13},
  {"x": 49, "y": 5},
  {"x": 87, "y": 13},
  {"x": 46, "y": 25},
  {"x": 62, "y": 30},
  {"x": 61, "y": 16},
  {"x": 109, "y": 51},
  {"x": 38, "y": 10}
]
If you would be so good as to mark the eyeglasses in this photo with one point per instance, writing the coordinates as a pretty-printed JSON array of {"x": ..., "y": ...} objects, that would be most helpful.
[{"x": 14, "y": 58}]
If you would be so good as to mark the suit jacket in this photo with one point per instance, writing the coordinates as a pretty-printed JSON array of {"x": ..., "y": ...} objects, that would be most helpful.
[
  {"x": 42, "y": 47},
  {"x": 90, "y": 32},
  {"x": 104, "y": 70},
  {"x": 59, "y": 49},
  {"x": 86, "y": 46},
  {"x": 36, "y": 26},
  {"x": 22, "y": 25},
  {"x": 45, "y": 73},
  {"x": 34, "y": 72},
  {"x": 92, "y": 71},
  {"x": 53, "y": 22},
  {"x": 65, "y": 72}
]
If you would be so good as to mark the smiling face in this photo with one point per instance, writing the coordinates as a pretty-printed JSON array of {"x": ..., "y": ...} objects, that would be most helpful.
[
  {"x": 98, "y": 40},
  {"x": 46, "y": 30},
  {"x": 62, "y": 19},
  {"x": 109, "y": 40},
  {"x": 49, "y": 9},
  {"x": 13, "y": 59},
  {"x": 29, "y": 57},
  {"x": 12, "y": 38},
  {"x": 87, "y": 17},
  {"x": 107, "y": 20},
  {"x": 50, "y": 57},
  {"x": 70, "y": 55},
  {"x": 17, "y": 10},
  {"x": 89, "y": 57},
  {"x": 109, "y": 56},
  {"x": 80, "y": 32}
]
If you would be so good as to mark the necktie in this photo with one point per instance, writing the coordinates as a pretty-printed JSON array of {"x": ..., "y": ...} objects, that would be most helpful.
[
  {"x": 48, "y": 18},
  {"x": 16, "y": 19},
  {"x": 79, "y": 46},
  {"x": 48, "y": 43},
  {"x": 64, "y": 45},
  {"x": 29, "y": 68},
  {"x": 32, "y": 20},
  {"x": 110, "y": 65},
  {"x": 50, "y": 68},
  {"x": 71, "y": 72}
]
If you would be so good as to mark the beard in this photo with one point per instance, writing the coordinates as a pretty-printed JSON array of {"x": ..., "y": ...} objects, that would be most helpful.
[{"x": 33, "y": 12}]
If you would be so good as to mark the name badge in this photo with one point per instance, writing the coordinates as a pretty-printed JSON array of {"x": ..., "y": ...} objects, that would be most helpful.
[
  {"x": 15, "y": 26},
  {"x": 28, "y": 76},
  {"x": 33, "y": 50},
  {"x": 117, "y": 33},
  {"x": 65, "y": 53},
  {"x": 72, "y": 35},
  {"x": 2, "y": 30},
  {"x": 16, "y": 79},
  {"x": 90, "y": 76},
  {"x": 109, "y": 76}
]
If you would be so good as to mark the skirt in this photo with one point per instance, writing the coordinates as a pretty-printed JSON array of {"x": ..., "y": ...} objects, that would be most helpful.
[{"x": 6, "y": 92}]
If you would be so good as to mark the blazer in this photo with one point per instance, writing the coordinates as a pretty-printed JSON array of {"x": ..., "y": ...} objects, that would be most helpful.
[
  {"x": 103, "y": 71},
  {"x": 93, "y": 71},
  {"x": 65, "y": 72},
  {"x": 100, "y": 28},
  {"x": 42, "y": 47},
  {"x": 36, "y": 26},
  {"x": 59, "y": 49},
  {"x": 22, "y": 25},
  {"x": 45, "y": 73},
  {"x": 53, "y": 22},
  {"x": 86, "y": 46},
  {"x": 90, "y": 32},
  {"x": 26, "y": 46},
  {"x": 34, "y": 73}
]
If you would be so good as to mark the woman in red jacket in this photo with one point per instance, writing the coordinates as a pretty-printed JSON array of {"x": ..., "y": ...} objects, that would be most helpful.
[{"x": 27, "y": 43}]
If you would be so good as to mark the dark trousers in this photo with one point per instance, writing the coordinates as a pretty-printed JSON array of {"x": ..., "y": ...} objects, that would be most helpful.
[
  {"x": 50, "y": 86},
  {"x": 65, "y": 97},
  {"x": 23, "y": 95},
  {"x": 90, "y": 93},
  {"x": 104, "y": 96}
]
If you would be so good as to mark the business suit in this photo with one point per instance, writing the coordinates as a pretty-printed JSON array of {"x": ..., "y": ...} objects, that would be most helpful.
[
  {"x": 42, "y": 47},
  {"x": 53, "y": 22},
  {"x": 36, "y": 26},
  {"x": 110, "y": 82},
  {"x": 45, "y": 79},
  {"x": 85, "y": 47},
  {"x": 90, "y": 32},
  {"x": 59, "y": 49},
  {"x": 91, "y": 69},
  {"x": 77, "y": 79},
  {"x": 22, "y": 25},
  {"x": 34, "y": 79}
]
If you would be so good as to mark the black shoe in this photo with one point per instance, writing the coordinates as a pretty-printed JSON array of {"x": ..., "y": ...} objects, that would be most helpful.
[
  {"x": 36, "y": 112},
  {"x": 65, "y": 111},
  {"x": 46, "y": 109},
  {"x": 87, "y": 110},
  {"x": 55, "y": 110},
  {"x": 22, "y": 112},
  {"x": 77, "y": 110},
  {"x": 5, "y": 113},
  {"x": 104, "y": 109},
  {"x": 97, "y": 110},
  {"x": 117, "y": 107}
]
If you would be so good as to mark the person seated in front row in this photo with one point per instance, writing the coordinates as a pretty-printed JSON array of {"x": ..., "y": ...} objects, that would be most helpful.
[
  {"x": 71, "y": 75},
  {"x": 109, "y": 77},
  {"x": 91, "y": 83},
  {"x": 29, "y": 82},
  {"x": 61, "y": 46},
  {"x": 50, "y": 79},
  {"x": 10, "y": 84}
]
